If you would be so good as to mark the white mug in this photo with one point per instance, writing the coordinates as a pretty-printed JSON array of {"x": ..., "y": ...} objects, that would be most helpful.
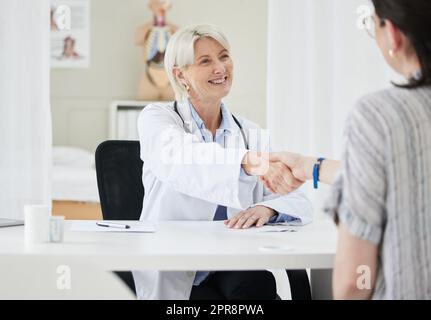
[{"x": 36, "y": 223}]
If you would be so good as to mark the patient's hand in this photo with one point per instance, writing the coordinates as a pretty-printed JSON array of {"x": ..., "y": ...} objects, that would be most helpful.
[
  {"x": 256, "y": 216},
  {"x": 301, "y": 166},
  {"x": 279, "y": 178}
]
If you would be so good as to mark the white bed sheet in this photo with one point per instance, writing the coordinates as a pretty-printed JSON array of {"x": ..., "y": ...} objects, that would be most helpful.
[{"x": 74, "y": 184}]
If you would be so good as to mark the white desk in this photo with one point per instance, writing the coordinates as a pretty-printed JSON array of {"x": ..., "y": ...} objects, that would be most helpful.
[{"x": 186, "y": 246}]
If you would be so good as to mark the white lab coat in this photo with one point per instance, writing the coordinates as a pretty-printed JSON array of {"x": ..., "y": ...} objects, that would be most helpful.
[{"x": 175, "y": 190}]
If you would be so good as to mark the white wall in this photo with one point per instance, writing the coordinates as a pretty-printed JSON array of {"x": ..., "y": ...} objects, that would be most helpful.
[
  {"x": 319, "y": 64},
  {"x": 80, "y": 97}
]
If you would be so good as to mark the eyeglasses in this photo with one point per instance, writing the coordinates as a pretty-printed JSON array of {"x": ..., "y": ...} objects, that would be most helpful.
[{"x": 369, "y": 24}]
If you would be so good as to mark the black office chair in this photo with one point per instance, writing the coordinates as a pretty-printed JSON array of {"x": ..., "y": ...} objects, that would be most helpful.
[{"x": 119, "y": 179}]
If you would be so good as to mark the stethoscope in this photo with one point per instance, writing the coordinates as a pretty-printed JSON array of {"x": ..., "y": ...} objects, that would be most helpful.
[{"x": 234, "y": 118}]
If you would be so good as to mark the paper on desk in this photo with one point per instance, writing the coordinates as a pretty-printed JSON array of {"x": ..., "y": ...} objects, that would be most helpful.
[
  {"x": 269, "y": 229},
  {"x": 91, "y": 226},
  {"x": 294, "y": 223},
  {"x": 277, "y": 228}
]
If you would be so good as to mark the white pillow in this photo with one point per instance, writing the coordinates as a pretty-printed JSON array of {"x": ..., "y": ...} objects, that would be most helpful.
[{"x": 72, "y": 157}]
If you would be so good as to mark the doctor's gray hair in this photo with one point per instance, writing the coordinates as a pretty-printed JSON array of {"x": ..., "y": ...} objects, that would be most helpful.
[{"x": 180, "y": 52}]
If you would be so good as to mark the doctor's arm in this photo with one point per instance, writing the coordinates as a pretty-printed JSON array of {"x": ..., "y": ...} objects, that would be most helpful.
[{"x": 201, "y": 170}]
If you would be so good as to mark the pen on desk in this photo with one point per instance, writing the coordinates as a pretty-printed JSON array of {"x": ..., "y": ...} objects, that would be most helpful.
[{"x": 113, "y": 225}]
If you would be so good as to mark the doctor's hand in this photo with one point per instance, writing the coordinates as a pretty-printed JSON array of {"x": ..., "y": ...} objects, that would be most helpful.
[
  {"x": 256, "y": 216},
  {"x": 255, "y": 163},
  {"x": 279, "y": 178}
]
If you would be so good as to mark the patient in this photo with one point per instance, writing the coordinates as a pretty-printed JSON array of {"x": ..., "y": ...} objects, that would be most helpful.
[
  {"x": 381, "y": 194},
  {"x": 196, "y": 154}
]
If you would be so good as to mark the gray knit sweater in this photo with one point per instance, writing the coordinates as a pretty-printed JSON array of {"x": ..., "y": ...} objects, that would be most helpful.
[{"x": 383, "y": 190}]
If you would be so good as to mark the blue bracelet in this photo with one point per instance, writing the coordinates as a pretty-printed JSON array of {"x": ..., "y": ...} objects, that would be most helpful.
[{"x": 316, "y": 170}]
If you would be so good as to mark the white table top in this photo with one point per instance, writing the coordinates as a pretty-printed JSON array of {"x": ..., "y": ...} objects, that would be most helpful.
[{"x": 187, "y": 245}]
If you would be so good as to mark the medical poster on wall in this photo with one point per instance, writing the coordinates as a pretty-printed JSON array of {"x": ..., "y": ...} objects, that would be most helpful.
[{"x": 70, "y": 33}]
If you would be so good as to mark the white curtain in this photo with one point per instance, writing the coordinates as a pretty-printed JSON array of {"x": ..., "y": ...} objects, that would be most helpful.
[
  {"x": 25, "y": 120},
  {"x": 319, "y": 63}
]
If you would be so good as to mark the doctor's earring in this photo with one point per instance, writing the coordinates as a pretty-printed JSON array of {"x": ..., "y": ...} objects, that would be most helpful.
[
  {"x": 391, "y": 53},
  {"x": 187, "y": 87}
]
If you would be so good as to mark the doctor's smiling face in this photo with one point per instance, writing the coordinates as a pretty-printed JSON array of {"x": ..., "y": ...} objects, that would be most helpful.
[{"x": 209, "y": 78}]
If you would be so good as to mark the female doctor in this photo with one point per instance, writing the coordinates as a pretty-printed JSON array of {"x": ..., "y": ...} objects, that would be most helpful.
[{"x": 196, "y": 158}]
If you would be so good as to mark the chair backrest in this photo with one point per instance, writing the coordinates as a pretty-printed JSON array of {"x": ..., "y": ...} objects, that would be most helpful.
[{"x": 119, "y": 179}]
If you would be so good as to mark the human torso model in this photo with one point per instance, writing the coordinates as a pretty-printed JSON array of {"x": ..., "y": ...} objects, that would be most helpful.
[{"x": 153, "y": 37}]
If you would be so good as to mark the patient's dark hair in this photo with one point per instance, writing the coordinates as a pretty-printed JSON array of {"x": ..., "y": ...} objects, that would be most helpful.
[{"x": 413, "y": 18}]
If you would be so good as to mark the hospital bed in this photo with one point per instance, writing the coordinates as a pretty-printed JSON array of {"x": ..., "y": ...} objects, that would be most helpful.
[{"x": 74, "y": 185}]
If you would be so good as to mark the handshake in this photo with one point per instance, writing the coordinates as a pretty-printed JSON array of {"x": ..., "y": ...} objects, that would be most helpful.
[{"x": 280, "y": 172}]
